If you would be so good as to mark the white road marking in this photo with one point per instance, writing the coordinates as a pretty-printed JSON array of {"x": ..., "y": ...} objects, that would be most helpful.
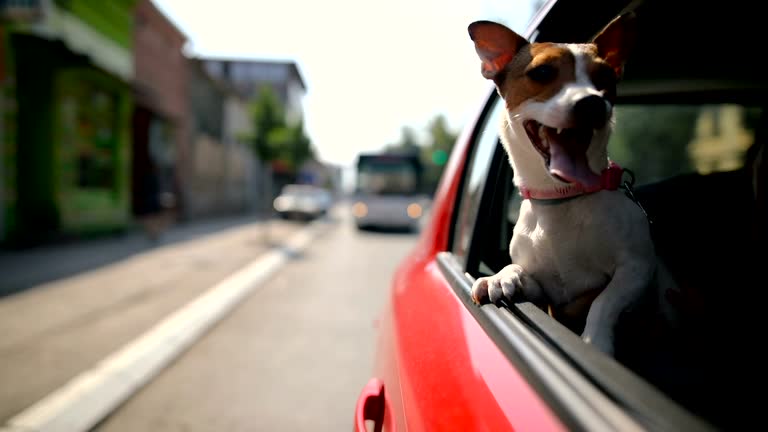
[{"x": 89, "y": 397}]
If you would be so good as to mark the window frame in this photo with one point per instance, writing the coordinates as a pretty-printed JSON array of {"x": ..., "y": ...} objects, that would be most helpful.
[{"x": 463, "y": 220}]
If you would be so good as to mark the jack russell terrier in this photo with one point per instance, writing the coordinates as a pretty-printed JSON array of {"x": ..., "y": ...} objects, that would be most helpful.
[{"x": 580, "y": 245}]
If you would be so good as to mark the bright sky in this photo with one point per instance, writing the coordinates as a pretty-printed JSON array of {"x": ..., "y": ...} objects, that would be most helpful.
[{"x": 370, "y": 67}]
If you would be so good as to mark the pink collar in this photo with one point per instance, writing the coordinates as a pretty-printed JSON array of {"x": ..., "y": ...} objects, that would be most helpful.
[{"x": 610, "y": 179}]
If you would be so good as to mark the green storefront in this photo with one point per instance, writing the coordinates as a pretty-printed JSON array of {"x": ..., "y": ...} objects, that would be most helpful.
[{"x": 66, "y": 109}]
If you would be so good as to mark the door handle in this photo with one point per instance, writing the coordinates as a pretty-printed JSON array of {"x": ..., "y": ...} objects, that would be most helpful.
[{"x": 370, "y": 406}]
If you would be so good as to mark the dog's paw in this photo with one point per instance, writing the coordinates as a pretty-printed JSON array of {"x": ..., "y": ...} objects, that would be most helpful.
[{"x": 504, "y": 284}]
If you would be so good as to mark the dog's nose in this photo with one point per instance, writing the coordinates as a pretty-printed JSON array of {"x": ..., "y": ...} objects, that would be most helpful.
[{"x": 591, "y": 111}]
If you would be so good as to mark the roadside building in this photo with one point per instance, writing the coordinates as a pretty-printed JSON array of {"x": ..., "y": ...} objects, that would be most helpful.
[
  {"x": 248, "y": 77},
  {"x": 66, "y": 69},
  {"x": 160, "y": 117},
  {"x": 220, "y": 165}
]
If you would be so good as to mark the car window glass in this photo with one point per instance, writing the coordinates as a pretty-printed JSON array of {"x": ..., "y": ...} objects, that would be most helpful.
[
  {"x": 695, "y": 171},
  {"x": 698, "y": 140},
  {"x": 485, "y": 145},
  {"x": 692, "y": 138}
]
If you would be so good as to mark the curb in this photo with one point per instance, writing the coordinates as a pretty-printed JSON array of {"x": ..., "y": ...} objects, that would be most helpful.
[{"x": 88, "y": 398}]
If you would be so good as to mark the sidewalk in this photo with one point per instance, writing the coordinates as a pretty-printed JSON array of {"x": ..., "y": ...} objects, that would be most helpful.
[
  {"x": 22, "y": 269},
  {"x": 80, "y": 302}
]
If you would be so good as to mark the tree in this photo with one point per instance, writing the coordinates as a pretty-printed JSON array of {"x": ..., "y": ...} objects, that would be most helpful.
[
  {"x": 653, "y": 149},
  {"x": 274, "y": 140},
  {"x": 441, "y": 142},
  {"x": 291, "y": 145},
  {"x": 408, "y": 142},
  {"x": 435, "y": 153},
  {"x": 268, "y": 117}
]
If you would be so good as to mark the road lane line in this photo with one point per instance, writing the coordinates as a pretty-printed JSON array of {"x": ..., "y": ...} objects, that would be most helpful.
[{"x": 88, "y": 398}]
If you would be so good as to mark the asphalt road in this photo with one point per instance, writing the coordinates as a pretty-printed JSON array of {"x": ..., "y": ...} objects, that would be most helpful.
[
  {"x": 98, "y": 296},
  {"x": 292, "y": 357}
]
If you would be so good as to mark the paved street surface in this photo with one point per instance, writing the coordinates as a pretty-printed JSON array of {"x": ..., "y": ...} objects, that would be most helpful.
[
  {"x": 88, "y": 300},
  {"x": 292, "y": 357}
]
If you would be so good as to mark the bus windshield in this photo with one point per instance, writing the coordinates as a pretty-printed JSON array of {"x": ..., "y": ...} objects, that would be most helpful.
[{"x": 388, "y": 175}]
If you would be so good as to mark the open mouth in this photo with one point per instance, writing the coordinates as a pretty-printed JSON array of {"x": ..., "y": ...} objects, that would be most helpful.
[{"x": 564, "y": 152}]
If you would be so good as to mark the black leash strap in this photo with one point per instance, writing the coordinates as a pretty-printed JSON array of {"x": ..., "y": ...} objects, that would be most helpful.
[{"x": 627, "y": 186}]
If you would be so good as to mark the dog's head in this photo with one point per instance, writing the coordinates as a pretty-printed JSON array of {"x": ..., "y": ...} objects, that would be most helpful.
[{"x": 559, "y": 99}]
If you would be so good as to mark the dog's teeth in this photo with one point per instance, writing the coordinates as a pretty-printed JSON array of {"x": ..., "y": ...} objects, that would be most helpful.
[{"x": 559, "y": 130}]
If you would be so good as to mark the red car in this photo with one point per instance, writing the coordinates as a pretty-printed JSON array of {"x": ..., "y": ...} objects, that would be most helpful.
[{"x": 691, "y": 125}]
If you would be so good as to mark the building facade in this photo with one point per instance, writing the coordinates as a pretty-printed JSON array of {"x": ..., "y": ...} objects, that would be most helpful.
[
  {"x": 104, "y": 119},
  {"x": 66, "y": 113},
  {"x": 160, "y": 114},
  {"x": 249, "y": 76},
  {"x": 221, "y": 167}
]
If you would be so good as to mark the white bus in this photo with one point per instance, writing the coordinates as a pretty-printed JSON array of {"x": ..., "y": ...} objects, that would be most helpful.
[{"x": 388, "y": 191}]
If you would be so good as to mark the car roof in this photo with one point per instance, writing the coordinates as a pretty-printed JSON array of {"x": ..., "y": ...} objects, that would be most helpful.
[{"x": 686, "y": 49}]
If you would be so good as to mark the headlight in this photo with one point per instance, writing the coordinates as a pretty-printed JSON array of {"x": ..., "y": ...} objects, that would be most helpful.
[
  {"x": 359, "y": 210},
  {"x": 414, "y": 211},
  {"x": 280, "y": 204}
]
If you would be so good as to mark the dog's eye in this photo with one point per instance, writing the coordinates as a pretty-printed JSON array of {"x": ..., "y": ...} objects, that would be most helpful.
[{"x": 542, "y": 73}]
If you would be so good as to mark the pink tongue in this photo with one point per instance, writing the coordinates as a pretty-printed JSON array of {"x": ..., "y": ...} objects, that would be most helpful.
[{"x": 571, "y": 167}]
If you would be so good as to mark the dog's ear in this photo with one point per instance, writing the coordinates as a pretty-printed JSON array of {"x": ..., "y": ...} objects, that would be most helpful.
[
  {"x": 616, "y": 41},
  {"x": 495, "y": 44}
]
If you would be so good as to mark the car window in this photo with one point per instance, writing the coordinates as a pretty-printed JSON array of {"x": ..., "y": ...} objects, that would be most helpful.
[
  {"x": 691, "y": 138},
  {"x": 694, "y": 168},
  {"x": 695, "y": 171},
  {"x": 697, "y": 140},
  {"x": 485, "y": 145}
]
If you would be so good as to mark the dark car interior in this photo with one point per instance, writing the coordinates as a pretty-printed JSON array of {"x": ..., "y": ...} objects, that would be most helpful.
[{"x": 692, "y": 104}]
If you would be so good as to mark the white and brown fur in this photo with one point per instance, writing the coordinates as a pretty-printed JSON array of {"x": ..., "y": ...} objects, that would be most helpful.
[{"x": 588, "y": 257}]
